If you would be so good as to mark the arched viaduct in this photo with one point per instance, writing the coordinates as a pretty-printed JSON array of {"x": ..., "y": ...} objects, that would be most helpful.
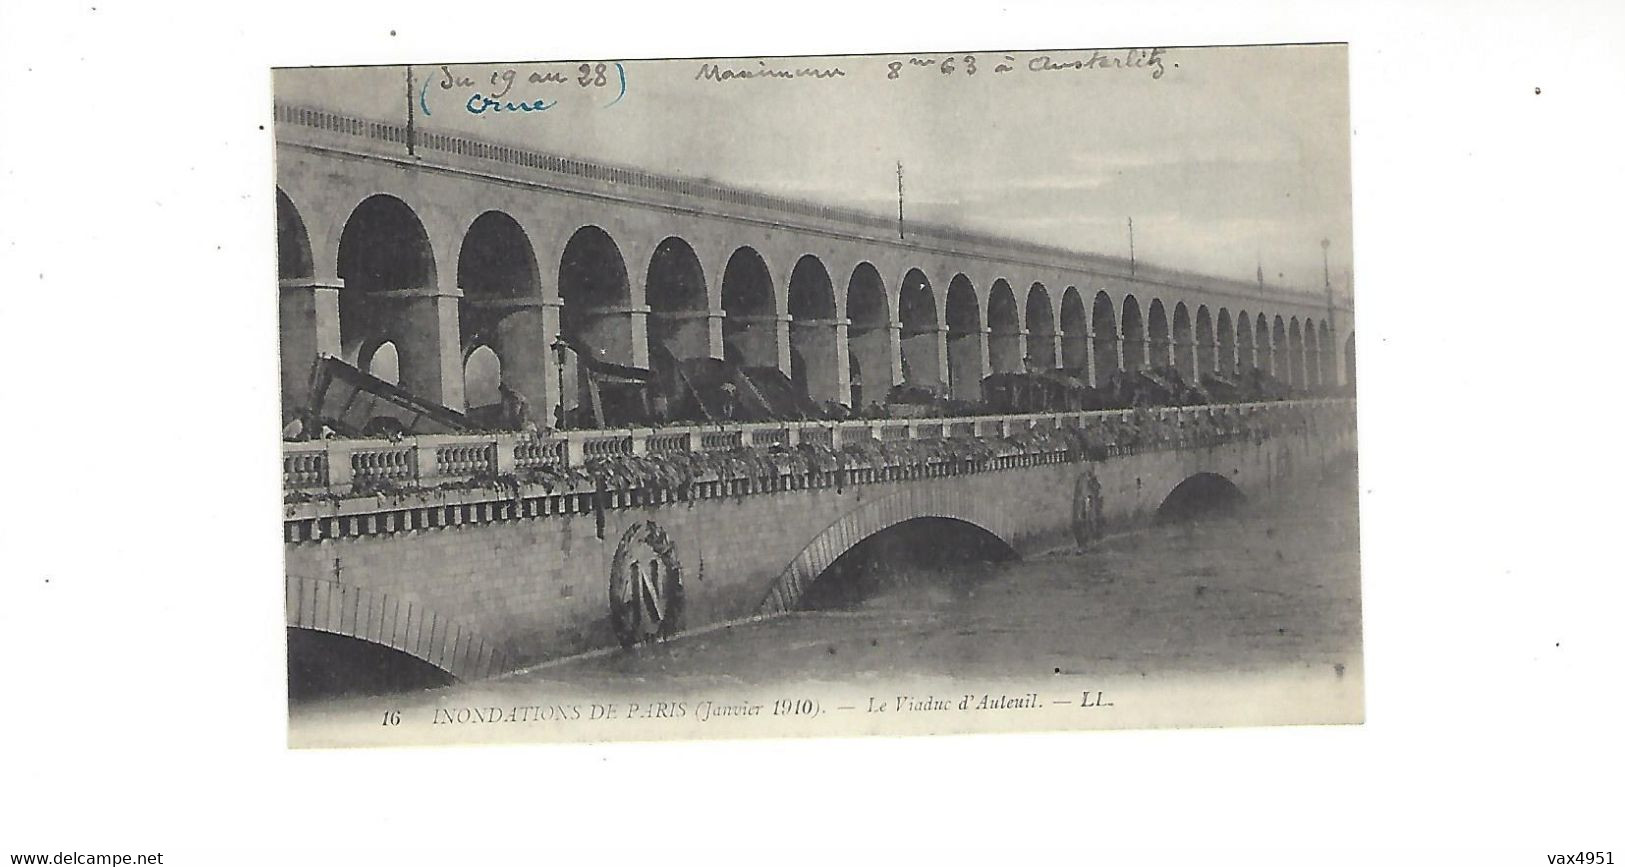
[
  {"x": 466, "y": 254},
  {"x": 481, "y": 580}
]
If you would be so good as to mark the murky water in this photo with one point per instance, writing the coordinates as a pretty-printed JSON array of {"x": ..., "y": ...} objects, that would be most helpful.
[{"x": 1268, "y": 585}]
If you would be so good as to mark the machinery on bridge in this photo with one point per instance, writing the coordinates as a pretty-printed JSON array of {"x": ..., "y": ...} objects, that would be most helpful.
[
  {"x": 353, "y": 403},
  {"x": 1035, "y": 392}
]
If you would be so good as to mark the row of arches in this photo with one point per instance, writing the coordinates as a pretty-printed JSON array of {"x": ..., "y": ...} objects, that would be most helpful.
[{"x": 844, "y": 338}]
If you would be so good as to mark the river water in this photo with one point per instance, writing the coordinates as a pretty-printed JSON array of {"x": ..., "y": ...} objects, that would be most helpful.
[{"x": 1265, "y": 586}]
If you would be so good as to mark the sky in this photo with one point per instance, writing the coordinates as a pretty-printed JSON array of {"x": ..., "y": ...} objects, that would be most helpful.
[{"x": 1225, "y": 158}]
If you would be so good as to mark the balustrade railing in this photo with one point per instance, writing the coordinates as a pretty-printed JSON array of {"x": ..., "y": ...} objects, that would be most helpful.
[{"x": 362, "y": 465}]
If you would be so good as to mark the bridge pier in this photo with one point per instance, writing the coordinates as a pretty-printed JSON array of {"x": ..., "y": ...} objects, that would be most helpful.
[
  {"x": 821, "y": 345},
  {"x": 425, "y": 325},
  {"x": 521, "y": 340},
  {"x": 925, "y": 356},
  {"x": 967, "y": 363},
  {"x": 308, "y": 316}
]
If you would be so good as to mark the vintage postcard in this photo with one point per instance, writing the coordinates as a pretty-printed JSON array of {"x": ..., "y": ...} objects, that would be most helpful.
[{"x": 953, "y": 392}]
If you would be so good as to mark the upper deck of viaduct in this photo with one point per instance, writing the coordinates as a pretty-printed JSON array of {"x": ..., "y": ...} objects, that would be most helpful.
[{"x": 462, "y": 244}]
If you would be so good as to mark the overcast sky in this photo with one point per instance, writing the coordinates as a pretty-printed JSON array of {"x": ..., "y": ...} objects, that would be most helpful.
[{"x": 1232, "y": 155}]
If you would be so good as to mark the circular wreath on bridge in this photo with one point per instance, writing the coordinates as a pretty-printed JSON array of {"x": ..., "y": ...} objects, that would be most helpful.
[{"x": 645, "y": 586}]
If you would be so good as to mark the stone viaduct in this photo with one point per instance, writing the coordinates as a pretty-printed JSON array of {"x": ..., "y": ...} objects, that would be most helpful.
[
  {"x": 431, "y": 258},
  {"x": 483, "y": 578},
  {"x": 464, "y": 253}
]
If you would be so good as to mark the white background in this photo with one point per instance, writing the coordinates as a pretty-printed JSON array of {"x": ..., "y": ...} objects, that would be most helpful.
[{"x": 140, "y": 609}]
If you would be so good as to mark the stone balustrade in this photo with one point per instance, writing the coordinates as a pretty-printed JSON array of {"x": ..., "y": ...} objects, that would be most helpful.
[{"x": 338, "y": 466}]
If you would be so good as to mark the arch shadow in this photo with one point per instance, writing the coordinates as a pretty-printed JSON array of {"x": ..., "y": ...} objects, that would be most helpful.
[
  {"x": 871, "y": 518},
  {"x": 380, "y": 618},
  {"x": 1198, "y": 496}
]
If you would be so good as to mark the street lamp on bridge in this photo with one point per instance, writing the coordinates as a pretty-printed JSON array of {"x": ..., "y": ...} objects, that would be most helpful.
[{"x": 1326, "y": 269}]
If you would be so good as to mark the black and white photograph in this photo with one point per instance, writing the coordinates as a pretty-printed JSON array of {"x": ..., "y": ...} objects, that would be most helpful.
[
  {"x": 774, "y": 397},
  {"x": 840, "y": 433}
]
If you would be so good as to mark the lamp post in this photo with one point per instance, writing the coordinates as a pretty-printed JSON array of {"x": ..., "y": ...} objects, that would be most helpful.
[
  {"x": 559, "y": 348},
  {"x": 1326, "y": 269}
]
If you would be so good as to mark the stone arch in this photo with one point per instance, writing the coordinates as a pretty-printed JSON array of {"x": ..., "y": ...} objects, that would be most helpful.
[
  {"x": 1246, "y": 353},
  {"x": 1225, "y": 333},
  {"x": 868, "y": 336},
  {"x": 814, "y": 351},
  {"x": 482, "y": 375},
  {"x": 388, "y": 620},
  {"x": 1348, "y": 360},
  {"x": 1004, "y": 329},
  {"x": 1206, "y": 344},
  {"x": 500, "y": 311},
  {"x": 750, "y": 324},
  {"x": 293, "y": 256},
  {"x": 392, "y": 295},
  {"x": 967, "y": 358},
  {"x": 1074, "y": 334},
  {"x": 595, "y": 292},
  {"x": 596, "y": 314},
  {"x": 1264, "y": 351},
  {"x": 1294, "y": 354},
  {"x": 496, "y": 259},
  {"x": 1183, "y": 348},
  {"x": 1040, "y": 319},
  {"x": 1103, "y": 322},
  {"x": 384, "y": 247},
  {"x": 1158, "y": 334},
  {"x": 1328, "y": 356},
  {"x": 381, "y": 358},
  {"x": 1311, "y": 355},
  {"x": 1133, "y": 335},
  {"x": 877, "y": 515},
  {"x": 1280, "y": 356},
  {"x": 919, "y": 338},
  {"x": 1197, "y": 494},
  {"x": 679, "y": 309}
]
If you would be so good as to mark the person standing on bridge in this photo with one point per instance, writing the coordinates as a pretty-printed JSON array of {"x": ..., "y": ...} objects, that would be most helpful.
[
  {"x": 515, "y": 410},
  {"x": 729, "y": 400}
]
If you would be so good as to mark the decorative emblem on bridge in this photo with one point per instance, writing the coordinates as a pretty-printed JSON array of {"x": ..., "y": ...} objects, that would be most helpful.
[
  {"x": 1088, "y": 509},
  {"x": 645, "y": 586}
]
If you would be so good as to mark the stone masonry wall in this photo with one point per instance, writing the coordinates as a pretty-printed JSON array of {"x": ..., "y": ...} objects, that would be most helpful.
[{"x": 531, "y": 589}]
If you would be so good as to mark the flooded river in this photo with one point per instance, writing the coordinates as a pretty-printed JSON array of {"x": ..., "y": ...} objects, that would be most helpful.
[
  {"x": 1264, "y": 584},
  {"x": 1259, "y": 587}
]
